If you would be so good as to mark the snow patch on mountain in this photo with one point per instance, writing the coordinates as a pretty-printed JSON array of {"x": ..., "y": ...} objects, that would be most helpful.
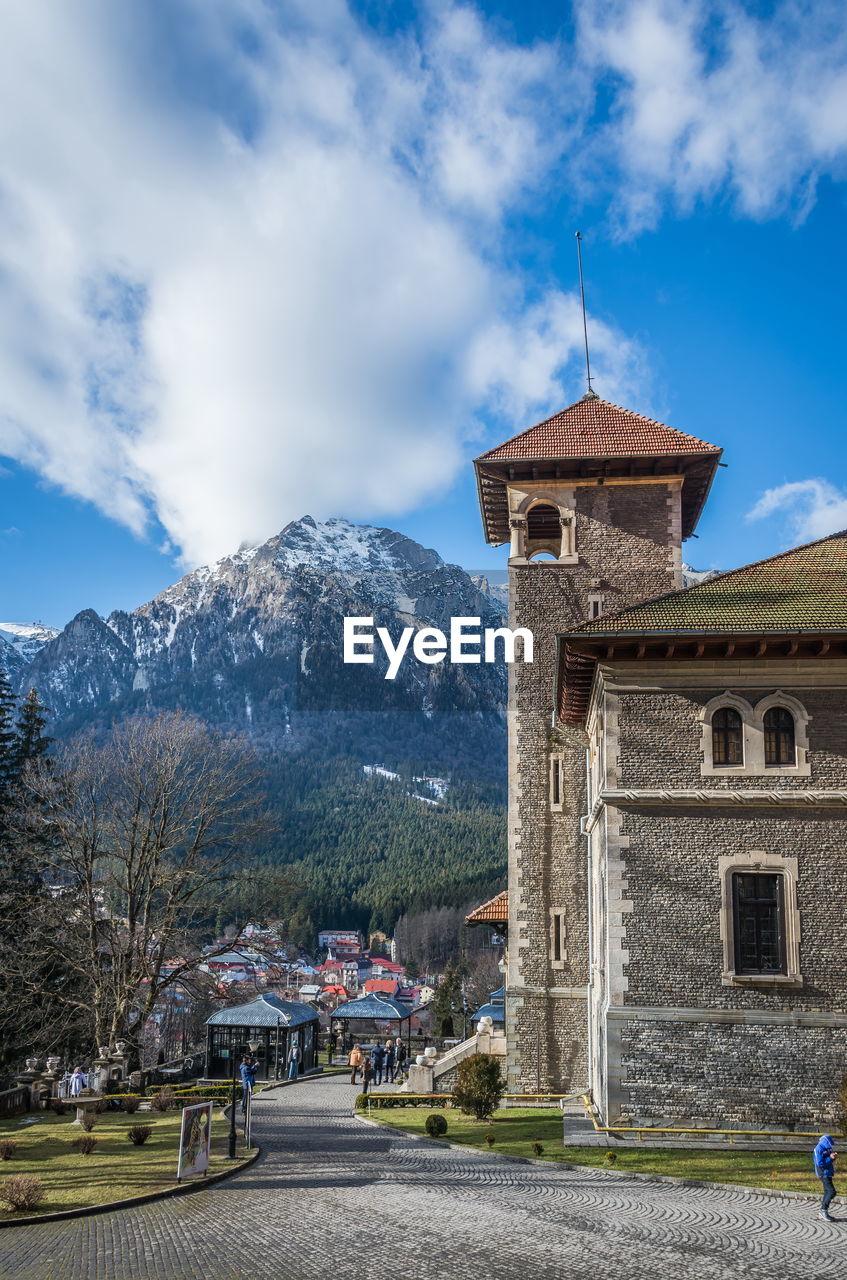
[{"x": 27, "y": 639}]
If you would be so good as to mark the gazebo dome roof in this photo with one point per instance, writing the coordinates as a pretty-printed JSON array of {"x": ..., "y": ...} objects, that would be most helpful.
[
  {"x": 372, "y": 1007},
  {"x": 265, "y": 1011}
]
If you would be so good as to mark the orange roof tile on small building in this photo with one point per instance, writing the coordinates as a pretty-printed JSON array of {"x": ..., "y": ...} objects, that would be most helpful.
[
  {"x": 495, "y": 911},
  {"x": 595, "y": 428}
]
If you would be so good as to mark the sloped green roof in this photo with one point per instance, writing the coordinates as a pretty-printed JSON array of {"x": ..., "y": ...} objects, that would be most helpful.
[{"x": 800, "y": 590}]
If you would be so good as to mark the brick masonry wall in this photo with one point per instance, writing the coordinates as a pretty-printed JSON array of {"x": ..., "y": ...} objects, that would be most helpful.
[
  {"x": 673, "y": 929},
  {"x": 660, "y": 738},
  {"x": 627, "y": 538},
  {"x": 735, "y": 1076}
]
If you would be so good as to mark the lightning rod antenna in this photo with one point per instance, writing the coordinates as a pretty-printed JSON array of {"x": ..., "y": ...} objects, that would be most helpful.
[{"x": 591, "y": 393}]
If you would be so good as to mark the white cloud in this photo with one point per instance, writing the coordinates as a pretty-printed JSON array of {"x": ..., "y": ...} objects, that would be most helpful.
[
  {"x": 255, "y": 256},
  {"x": 812, "y": 509},
  {"x": 252, "y": 258},
  {"x": 710, "y": 98}
]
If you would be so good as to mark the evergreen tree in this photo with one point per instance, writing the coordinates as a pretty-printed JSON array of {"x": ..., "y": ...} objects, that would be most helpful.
[
  {"x": 447, "y": 1004},
  {"x": 31, "y": 740},
  {"x": 8, "y": 744}
]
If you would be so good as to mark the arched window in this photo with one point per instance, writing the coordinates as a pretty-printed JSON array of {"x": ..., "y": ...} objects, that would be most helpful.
[
  {"x": 543, "y": 524},
  {"x": 779, "y": 738},
  {"x": 727, "y": 738}
]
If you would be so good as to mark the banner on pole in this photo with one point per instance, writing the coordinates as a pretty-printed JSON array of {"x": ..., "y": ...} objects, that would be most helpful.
[{"x": 195, "y": 1139}]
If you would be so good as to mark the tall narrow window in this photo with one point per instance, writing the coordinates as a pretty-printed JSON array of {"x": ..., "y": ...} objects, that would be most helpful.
[
  {"x": 558, "y": 938},
  {"x": 727, "y": 737},
  {"x": 759, "y": 922},
  {"x": 557, "y": 789},
  {"x": 779, "y": 738}
]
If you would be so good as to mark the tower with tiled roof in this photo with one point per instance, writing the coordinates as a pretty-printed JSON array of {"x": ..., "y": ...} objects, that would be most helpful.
[{"x": 595, "y": 502}]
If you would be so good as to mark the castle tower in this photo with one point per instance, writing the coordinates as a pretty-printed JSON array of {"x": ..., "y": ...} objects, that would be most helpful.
[{"x": 595, "y": 503}]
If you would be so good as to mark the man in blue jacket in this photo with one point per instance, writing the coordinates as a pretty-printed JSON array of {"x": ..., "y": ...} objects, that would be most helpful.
[
  {"x": 825, "y": 1156},
  {"x": 248, "y": 1078}
]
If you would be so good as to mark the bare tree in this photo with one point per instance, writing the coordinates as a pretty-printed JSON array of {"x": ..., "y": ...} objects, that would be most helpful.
[{"x": 148, "y": 830}]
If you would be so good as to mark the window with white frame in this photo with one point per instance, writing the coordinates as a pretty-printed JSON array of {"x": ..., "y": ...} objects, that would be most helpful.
[
  {"x": 742, "y": 740},
  {"x": 760, "y": 922}
]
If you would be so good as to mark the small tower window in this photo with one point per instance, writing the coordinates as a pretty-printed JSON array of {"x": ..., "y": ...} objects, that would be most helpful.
[
  {"x": 596, "y": 605},
  {"x": 727, "y": 738},
  {"x": 543, "y": 524},
  {"x": 557, "y": 782},
  {"x": 558, "y": 939},
  {"x": 779, "y": 737}
]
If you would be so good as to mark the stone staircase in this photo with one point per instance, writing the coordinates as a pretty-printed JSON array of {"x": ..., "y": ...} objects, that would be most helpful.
[{"x": 439, "y": 1075}]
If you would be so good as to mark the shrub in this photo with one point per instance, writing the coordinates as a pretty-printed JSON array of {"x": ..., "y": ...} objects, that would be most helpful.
[
  {"x": 102, "y": 1105},
  {"x": 59, "y": 1106},
  {"x": 361, "y": 1102},
  {"x": 490, "y": 1138},
  {"x": 435, "y": 1124},
  {"x": 8, "y": 1147},
  {"x": 139, "y": 1133},
  {"x": 538, "y": 1148},
  {"x": 21, "y": 1191},
  {"x": 130, "y": 1103},
  {"x": 165, "y": 1099},
  {"x": 611, "y": 1157},
  {"x": 88, "y": 1121},
  {"x": 479, "y": 1086},
  {"x": 85, "y": 1144}
]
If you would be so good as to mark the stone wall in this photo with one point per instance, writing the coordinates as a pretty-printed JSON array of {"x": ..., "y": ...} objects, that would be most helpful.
[
  {"x": 687, "y": 1041},
  {"x": 733, "y": 1076},
  {"x": 627, "y": 542}
]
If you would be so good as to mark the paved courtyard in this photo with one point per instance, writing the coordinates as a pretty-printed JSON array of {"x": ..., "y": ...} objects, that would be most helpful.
[{"x": 333, "y": 1199}]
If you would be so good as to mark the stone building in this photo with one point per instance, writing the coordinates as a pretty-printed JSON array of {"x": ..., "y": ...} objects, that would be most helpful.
[{"x": 677, "y": 789}]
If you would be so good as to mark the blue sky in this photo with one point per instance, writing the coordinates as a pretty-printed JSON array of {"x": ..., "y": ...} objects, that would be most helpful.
[{"x": 263, "y": 259}]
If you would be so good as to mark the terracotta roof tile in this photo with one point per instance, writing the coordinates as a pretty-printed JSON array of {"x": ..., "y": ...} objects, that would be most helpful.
[
  {"x": 595, "y": 428},
  {"x": 495, "y": 911},
  {"x": 804, "y": 589}
]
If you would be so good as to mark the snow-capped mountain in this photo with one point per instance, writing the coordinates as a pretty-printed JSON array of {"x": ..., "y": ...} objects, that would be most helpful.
[
  {"x": 690, "y": 577},
  {"x": 254, "y": 641},
  {"x": 27, "y": 639}
]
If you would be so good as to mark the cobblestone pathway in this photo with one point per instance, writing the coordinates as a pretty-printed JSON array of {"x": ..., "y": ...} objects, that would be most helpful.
[{"x": 332, "y": 1199}]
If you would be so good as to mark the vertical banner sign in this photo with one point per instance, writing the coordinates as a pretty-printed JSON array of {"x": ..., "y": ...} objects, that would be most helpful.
[
  {"x": 194, "y": 1140},
  {"x": 248, "y": 1119}
]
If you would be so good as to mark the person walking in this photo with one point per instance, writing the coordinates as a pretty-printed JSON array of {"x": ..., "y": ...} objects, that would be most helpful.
[
  {"x": 390, "y": 1060},
  {"x": 248, "y": 1079},
  {"x": 355, "y": 1062},
  {"x": 378, "y": 1061},
  {"x": 294, "y": 1056},
  {"x": 825, "y": 1157},
  {"x": 367, "y": 1074},
  {"x": 400, "y": 1058},
  {"x": 77, "y": 1082}
]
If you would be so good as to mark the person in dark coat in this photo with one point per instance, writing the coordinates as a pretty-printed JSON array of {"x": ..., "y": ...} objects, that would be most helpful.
[
  {"x": 390, "y": 1061},
  {"x": 825, "y": 1157},
  {"x": 400, "y": 1058},
  {"x": 378, "y": 1060},
  {"x": 367, "y": 1074}
]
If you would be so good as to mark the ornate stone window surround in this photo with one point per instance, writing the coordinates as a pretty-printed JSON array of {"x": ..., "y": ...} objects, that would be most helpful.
[
  {"x": 563, "y": 550},
  {"x": 752, "y": 720},
  {"x": 759, "y": 861}
]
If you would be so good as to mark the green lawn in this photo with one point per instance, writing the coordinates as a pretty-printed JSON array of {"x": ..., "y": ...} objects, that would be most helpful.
[
  {"x": 115, "y": 1169},
  {"x": 516, "y": 1128}
]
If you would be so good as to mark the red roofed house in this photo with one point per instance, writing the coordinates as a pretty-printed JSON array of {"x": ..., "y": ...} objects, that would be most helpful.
[
  {"x": 678, "y": 790},
  {"x": 385, "y": 986}
]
